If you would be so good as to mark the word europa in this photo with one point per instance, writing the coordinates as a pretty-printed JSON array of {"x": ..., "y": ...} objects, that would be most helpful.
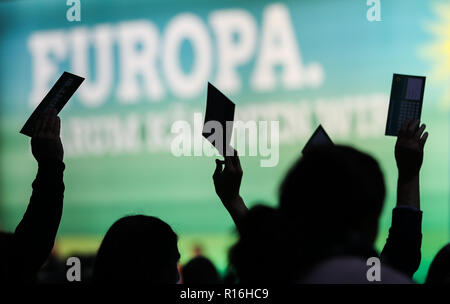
[
  {"x": 247, "y": 293},
  {"x": 74, "y": 11},
  {"x": 149, "y": 65}
]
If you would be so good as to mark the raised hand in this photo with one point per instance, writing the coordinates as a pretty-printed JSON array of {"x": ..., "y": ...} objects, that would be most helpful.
[
  {"x": 409, "y": 148},
  {"x": 227, "y": 182},
  {"x": 46, "y": 142}
]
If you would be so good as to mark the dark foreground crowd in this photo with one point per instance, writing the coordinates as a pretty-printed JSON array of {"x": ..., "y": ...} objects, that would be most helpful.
[{"x": 323, "y": 230}]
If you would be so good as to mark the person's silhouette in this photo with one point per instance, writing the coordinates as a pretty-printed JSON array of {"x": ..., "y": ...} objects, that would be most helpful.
[
  {"x": 200, "y": 270},
  {"x": 334, "y": 196},
  {"x": 264, "y": 252},
  {"x": 23, "y": 252},
  {"x": 140, "y": 249},
  {"x": 439, "y": 271}
]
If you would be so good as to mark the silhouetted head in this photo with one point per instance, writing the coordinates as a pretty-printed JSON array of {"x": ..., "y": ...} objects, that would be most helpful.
[
  {"x": 439, "y": 271},
  {"x": 263, "y": 253},
  {"x": 200, "y": 270},
  {"x": 138, "y": 249},
  {"x": 334, "y": 195}
]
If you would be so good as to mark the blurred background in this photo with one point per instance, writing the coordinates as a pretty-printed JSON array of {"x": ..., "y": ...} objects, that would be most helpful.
[{"x": 147, "y": 64}]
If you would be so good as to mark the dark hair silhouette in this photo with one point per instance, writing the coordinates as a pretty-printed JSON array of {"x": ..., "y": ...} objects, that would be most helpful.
[
  {"x": 439, "y": 271},
  {"x": 138, "y": 249},
  {"x": 334, "y": 195},
  {"x": 263, "y": 253},
  {"x": 200, "y": 270}
]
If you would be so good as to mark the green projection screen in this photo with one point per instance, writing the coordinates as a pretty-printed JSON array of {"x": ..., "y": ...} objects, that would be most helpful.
[{"x": 147, "y": 64}]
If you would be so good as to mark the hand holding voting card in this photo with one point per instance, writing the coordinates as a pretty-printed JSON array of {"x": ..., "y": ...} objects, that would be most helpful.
[
  {"x": 405, "y": 102},
  {"x": 56, "y": 98},
  {"x": 319, "y": 138},
  {"x": 219, "y": 118}
]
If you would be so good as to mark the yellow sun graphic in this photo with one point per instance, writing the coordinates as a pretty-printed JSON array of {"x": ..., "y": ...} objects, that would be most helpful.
[{"x": 438, "y": 51}]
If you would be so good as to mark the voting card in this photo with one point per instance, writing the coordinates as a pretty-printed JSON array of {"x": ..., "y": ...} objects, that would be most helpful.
[
  {"x": 219, "y": 111},
  {"x": 405, "y": 102},
  {"x": 56, "y": 98},
  {"x": 319, "y": 138}
]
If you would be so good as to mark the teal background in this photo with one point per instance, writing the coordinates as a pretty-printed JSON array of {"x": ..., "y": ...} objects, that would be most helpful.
[{"x": 358, "y": 57}]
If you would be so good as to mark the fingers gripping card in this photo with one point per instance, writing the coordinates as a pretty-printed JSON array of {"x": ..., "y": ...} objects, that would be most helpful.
[
  {"x": 56, "y": 99},
  {"x": 405, "y": 102}
]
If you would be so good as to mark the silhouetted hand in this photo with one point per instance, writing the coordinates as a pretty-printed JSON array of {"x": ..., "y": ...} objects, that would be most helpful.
[
  {"x": 228, "y": 181},
  {"x": 46, "y": 142},
  {"x": 409, "y": 148}
]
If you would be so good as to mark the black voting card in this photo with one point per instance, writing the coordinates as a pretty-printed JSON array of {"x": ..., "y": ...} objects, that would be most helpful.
[
  {"x": 405, "y": 102},
  {"x": 319, "y": 138},
  {"x": 219, "y": 109},
  {"x": 56, "y": 98}
]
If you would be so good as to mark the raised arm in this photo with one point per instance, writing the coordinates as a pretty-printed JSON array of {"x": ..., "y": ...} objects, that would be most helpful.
[
  {"x": 409, "y": 157},
  {"x": 35, "y": 235},
  {"x": 402, "y": 249},
  {"x": 227, "y": 182}
]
